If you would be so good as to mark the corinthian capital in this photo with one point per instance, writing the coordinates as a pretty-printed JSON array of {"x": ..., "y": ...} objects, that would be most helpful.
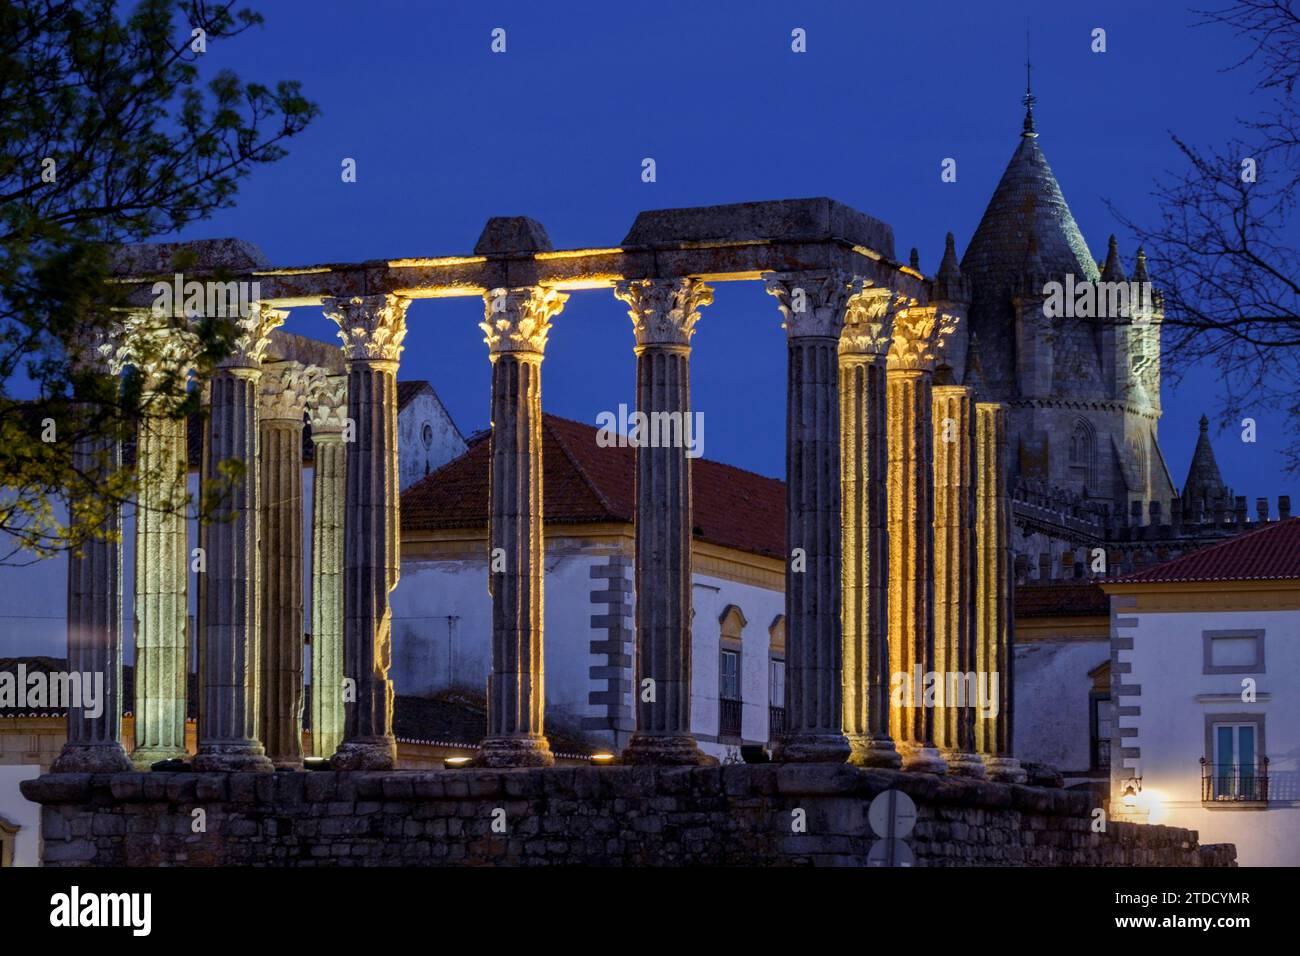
[
  {"x": 252, "y": 335},
  {"x": 285, "y": 390},
  {"x": 372, "y": 327},
  {"x": 869, "y": 322},
  {"x": 327, "y": 405},
  {"x": 920, "y": 333},
  {"x": 812, "y": 303},
  {"x": 160, "y": 347},
  {"x": 664, "y": 311},
  {"x": 518, "y": 320}
]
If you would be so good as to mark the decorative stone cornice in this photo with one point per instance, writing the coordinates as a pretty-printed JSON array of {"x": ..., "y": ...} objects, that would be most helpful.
[
  {"x": 518, "y": 320},
  {"x": 253, "y": 335},
  {"x": 664, "y": 311},
  {"x": 812, "y": 303},
  {"x": 372, "y": 327},
  {"x": 327, "y": 405},
  {"x": 869, "y": 322},
  {"x": 285, "y": 390},
  {"x": 920, "y": 333}
]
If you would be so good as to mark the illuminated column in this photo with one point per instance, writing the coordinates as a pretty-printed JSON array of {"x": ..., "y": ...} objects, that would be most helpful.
[
  {"x": 516, "y": 325},
  {"x": 812, "y": 305},
  {"x": 95, "y": 619},
  {"x": 994, "y": 654},
  {"x": 918, "y": 333},
  {"x": 161, "y": 350},
  {"x": 228, "y": 588},
  {"x": 329, "y": 412},
  {"x": 284, "y": 393},
  {"x": 864, "y": 347},
  {"x": 664, "y": 313},
  {"x": 372, "y": 329},
  {"x": 954, "y": 577}
]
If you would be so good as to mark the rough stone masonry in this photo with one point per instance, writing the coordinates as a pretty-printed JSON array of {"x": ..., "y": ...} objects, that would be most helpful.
[{"x": 741, "y": 815}]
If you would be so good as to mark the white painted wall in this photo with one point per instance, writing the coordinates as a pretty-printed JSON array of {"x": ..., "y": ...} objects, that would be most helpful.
[
  {"x": 421, "y": 450},
  {"x": 1052, "y": 720},
  {"x": 1167, "y": 660},
  {"x": 18, "y": 809}
]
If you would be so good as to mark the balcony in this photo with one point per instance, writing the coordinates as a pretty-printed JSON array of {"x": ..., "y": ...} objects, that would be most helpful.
[
  {"x": 729, "y": 718},
  {"x": 775, "y": 722},
  {"x": 1234, "y": 785}
]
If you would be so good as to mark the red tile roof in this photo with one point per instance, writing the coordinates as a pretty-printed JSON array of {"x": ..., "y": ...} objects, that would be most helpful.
[
  {"x": 585, "y": 483},
  {"x": 1269, "y": 554}
]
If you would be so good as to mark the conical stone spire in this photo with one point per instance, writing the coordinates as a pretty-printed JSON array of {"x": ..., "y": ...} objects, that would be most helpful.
[
  {"x": 1114, "y": 269},
  {"x": 1204, "y": 481}
]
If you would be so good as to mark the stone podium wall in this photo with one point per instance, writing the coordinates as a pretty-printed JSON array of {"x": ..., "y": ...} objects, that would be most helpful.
[{"x": 732, "y": 815}]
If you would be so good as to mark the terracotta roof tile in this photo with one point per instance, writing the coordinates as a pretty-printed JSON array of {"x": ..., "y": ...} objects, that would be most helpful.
[
  {"x": 585, "y": 483},
  {"x": 1269, "y": 554}
]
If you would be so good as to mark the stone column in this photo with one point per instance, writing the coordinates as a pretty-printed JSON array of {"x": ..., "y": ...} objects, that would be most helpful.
[
  {"x": 372, "y": 329},
  {"x": 812, "y": 305},
  {"x": 864, "y": 347},
  {"x": 664, "y": 313},
  {"x": 516, "y": 325},
  {"x": 162, "y": 351},
  {"x": 994, "y": 653},
  {"x": 228, "y": 591},
  {"x": 328, "y": 411},
  {"x": 917, "y": 336},
  {"x": 283, "y": 397},
  {"x": 954, "y": 577},
  {"x": 95, "y": 621}
]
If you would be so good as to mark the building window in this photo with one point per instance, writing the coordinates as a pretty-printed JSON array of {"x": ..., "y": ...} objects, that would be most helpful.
[
  {"x": 1101, "y": 731},
  {"x": 776, "y": 678},
  {"x": 1083, "y": 452},
  {"x": 1233, "y": 652},
  {"x": 1235, "y": 769},
  {"x": 730, "y": 706},
  {"x": 426, "y": 435}
]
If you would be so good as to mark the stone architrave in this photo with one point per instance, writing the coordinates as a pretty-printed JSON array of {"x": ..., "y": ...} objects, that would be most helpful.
[
  {"x": 864, "y": 349},
  {"x": 328, "y": 412},
  {"x": 95, "y": 613},
  {"x": 919, "y": 333},
  {"x": 516, "y": 325},
  {"x": 162, "y": 349},
  {"x": 228, "y": 589},
  {"x": 812, "y": 306},
  {"x": 994, "y": 654},
  {"x": 286, "y": 387},
  {"x": 954, "y": 578},
  {"x": 664, "y": 314},
  {"x": 372, "y": 329}
]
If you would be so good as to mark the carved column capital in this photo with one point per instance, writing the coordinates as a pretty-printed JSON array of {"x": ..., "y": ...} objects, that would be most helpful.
[
  {"x": 518, "y": 320},
  {"x": 869, "y": 323},
  {"x": 327, "y": 405},
  {"x": 372, "y": 327},
  {"x": 920, "y": 333},
  {"x": 252, "y": 336},
  {"x": 285, "y": 390},
  {"x": 664, "y": 311},
  {"x": 160, "y": 347},
  {"x": 812, "y": 303}
]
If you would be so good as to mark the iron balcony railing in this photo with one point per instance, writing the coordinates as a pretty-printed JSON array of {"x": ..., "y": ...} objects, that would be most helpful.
[
  {"x": 775, "y": 722},
  {"x": 729, "y": 719},
  {"x": 1234, "y": 783}
]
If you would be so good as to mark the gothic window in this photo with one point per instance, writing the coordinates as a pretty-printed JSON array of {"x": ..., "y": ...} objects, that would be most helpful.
[{"x": 1083, "y": 453}]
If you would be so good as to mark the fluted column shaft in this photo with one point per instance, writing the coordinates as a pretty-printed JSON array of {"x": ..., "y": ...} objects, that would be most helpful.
[
  {"x": 285, "y": 386},
  {"x": 994, "y": 653},
  {"x": 161, "y": 571},
  {"x": 917, "y": 334},
  {"x": 812, "y": 306},
  {"x": 864, "y": 345},
  {"x": 516, "y": 325},
  {"x": 95, "y": 632},
  {"x": 328, "y": 414},
  {"x": 372, "y": 329},
  {"x": 954, "y": 578},
  {"x": 664, "y": 313}
]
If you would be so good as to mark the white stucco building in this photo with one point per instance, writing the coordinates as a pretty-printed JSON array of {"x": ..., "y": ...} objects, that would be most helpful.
[
  {"x": 1205, "y": 653},
  {"x": 442, "y": 610}
]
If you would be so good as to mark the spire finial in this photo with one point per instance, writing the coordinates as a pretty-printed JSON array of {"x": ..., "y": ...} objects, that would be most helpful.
[{"x": 1029, "y": 99}]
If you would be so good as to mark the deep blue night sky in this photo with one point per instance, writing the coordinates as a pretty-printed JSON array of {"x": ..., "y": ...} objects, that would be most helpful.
[{"x": 445, "y": 134}]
